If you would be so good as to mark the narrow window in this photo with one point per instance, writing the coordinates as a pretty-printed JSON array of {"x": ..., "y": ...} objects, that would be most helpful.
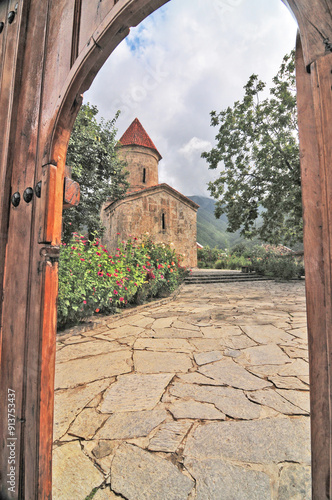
[
  {"x": 163, "y": 223},
  {"x": 144, "y": 175}
]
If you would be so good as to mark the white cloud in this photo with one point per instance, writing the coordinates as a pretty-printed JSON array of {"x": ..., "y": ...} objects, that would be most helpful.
[
  {"x": 191, "y": 57},
  {"x": 194, "y": 147}
]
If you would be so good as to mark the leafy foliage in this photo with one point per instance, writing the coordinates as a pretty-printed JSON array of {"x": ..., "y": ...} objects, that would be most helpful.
[
  {"x": 257, "y": 144},
  {"x": 276, "y": 264},
  {"x": 96, "y": 167},
  {"x": 93, "y": 281}
]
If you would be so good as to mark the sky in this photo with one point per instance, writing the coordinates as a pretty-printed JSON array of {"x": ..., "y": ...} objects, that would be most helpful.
[{"x": 186, "y": 59}]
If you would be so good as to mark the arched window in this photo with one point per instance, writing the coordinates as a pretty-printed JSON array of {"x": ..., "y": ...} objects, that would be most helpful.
[
  {"x": 144, "y": 175},
  {"x": 163, "y": 221}
]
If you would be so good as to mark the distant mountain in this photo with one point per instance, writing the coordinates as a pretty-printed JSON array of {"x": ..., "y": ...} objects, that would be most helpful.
[{"x": 212, "y": 231}]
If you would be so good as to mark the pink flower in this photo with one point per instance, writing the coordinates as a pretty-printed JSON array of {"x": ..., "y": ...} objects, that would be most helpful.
[
  {"x": 109, "y": 274},
  {"x": 121, "y": 299},
  {"x": 98, "y": 253},
  {"x": 100, "y": 273},
  {"x": 84, "y": 301},
  {"x": 82, "y": 260},
  {"x": 115, "y": 292}
]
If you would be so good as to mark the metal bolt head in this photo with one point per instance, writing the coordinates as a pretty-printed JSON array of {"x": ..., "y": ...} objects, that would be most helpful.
[
  {"x": 11, "y": 16},
  {"x": 28, "y": 195},
  {"x": 38, "y": 189},
  {"x": 16, "y": 198},
  {"x": 1, "y": 27}
]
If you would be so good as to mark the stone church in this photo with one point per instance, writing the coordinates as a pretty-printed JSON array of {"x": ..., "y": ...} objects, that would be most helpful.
[{"x": 148, "y": 207}]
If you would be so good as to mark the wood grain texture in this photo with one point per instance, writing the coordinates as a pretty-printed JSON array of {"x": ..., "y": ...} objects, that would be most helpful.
[{"x": 317, "y": 302}]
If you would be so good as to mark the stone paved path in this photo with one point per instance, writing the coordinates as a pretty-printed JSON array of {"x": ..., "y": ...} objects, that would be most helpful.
[{"x": 205, "y": 398}]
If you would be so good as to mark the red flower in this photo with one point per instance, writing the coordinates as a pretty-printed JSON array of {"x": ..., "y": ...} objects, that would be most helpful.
[{"x": 97, "y": 310}]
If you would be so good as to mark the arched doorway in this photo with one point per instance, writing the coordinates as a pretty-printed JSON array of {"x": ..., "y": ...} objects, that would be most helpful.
[{"x": 40, "y": 97}]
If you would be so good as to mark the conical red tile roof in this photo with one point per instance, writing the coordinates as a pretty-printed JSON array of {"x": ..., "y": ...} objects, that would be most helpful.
[{"x": 135, "y": 135}]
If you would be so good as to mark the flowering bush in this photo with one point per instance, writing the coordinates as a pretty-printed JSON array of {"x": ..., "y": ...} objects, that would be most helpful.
[{"x": 91, "y": 280}]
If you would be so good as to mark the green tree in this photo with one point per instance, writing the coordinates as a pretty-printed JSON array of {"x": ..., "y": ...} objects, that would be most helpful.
[
  {"x": 258, "y": 152},
  {"x": 96, "y": 167}
]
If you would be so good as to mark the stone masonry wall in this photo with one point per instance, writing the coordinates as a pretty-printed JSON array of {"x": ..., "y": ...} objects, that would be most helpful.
[
  {"x": 137, "y": 215},
  {"x": 139, "y": 158}
]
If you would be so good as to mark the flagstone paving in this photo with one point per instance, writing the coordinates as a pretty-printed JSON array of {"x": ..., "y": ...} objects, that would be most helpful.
[{"x": 205, "y": 397}]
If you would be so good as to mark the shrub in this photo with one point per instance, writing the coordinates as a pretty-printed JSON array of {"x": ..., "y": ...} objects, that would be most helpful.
[
  {"x": 276, "y": 265},
  {"x": 207, "y": 257},
  {"x": 93, "y": 281},
  {"x": 232, "y": 262}
]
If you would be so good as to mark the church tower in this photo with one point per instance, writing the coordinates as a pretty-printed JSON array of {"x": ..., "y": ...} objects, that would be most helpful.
[{"x": 141, "y": 155}]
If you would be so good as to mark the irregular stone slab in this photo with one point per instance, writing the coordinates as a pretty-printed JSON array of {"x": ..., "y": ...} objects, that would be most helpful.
[
  {"x": 215, "y": 479},
  {"x": 177, "y": 345},
  {"x": 133, "y": 424},
  {"x": 69, "y": 403},
  {"x": 105, "y": 494},
  {"x": 270, "y": 440},
  {"x": 140, "y": 320},
  {"x": 295, "y": 483},
  {"x": 195, "y": 410},
  {"x": 262, "y": 370},
  {"x": 137, "y": 474},
  {"x": 220, "y": 331},
  {"x": 76, "y": 339},
  {"x": 104, "y": 448},
  {"x": 185, "y": 326},
  {"x": 301, "y": 333},
  {"x": 266, "y": 355},
  {"x": 135, "y": 392},
  {"x": 87, "y": 423},
  {"x": 196, "y": 378},
  {"x": 203, "y": 358},
  {"x": 230, "y": 401},
  {"x": 232, "y": 353},
  {"x": 305, "y": 379},
  {"x": 297, "y": 398},
  {"x": 126, "y": 330},
  {"x": 267, "y": 334},
  {"x": 95, "y": 331},
  {"x": 161, "y": 362},
  {"x": 288, "y": 383},
  {"x": 215, "y": 344},
  {"x": 295, "y": 352},
  {"x": 86, "y": 349},
  {"x": 296, "y": 368},
  {"x": 173, "y": 333},
  {"x": 169, "y": 437},
  {"x": 74, "y": 475},
  {"x": 227, "y": 372},
  {"x": 165, "y": 322},
  {"x": 83, "y": 371},
  {"x": 271, "y": 398}
]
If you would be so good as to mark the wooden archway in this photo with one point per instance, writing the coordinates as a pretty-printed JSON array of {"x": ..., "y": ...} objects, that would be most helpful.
[{"x": 50, "y": 52}]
